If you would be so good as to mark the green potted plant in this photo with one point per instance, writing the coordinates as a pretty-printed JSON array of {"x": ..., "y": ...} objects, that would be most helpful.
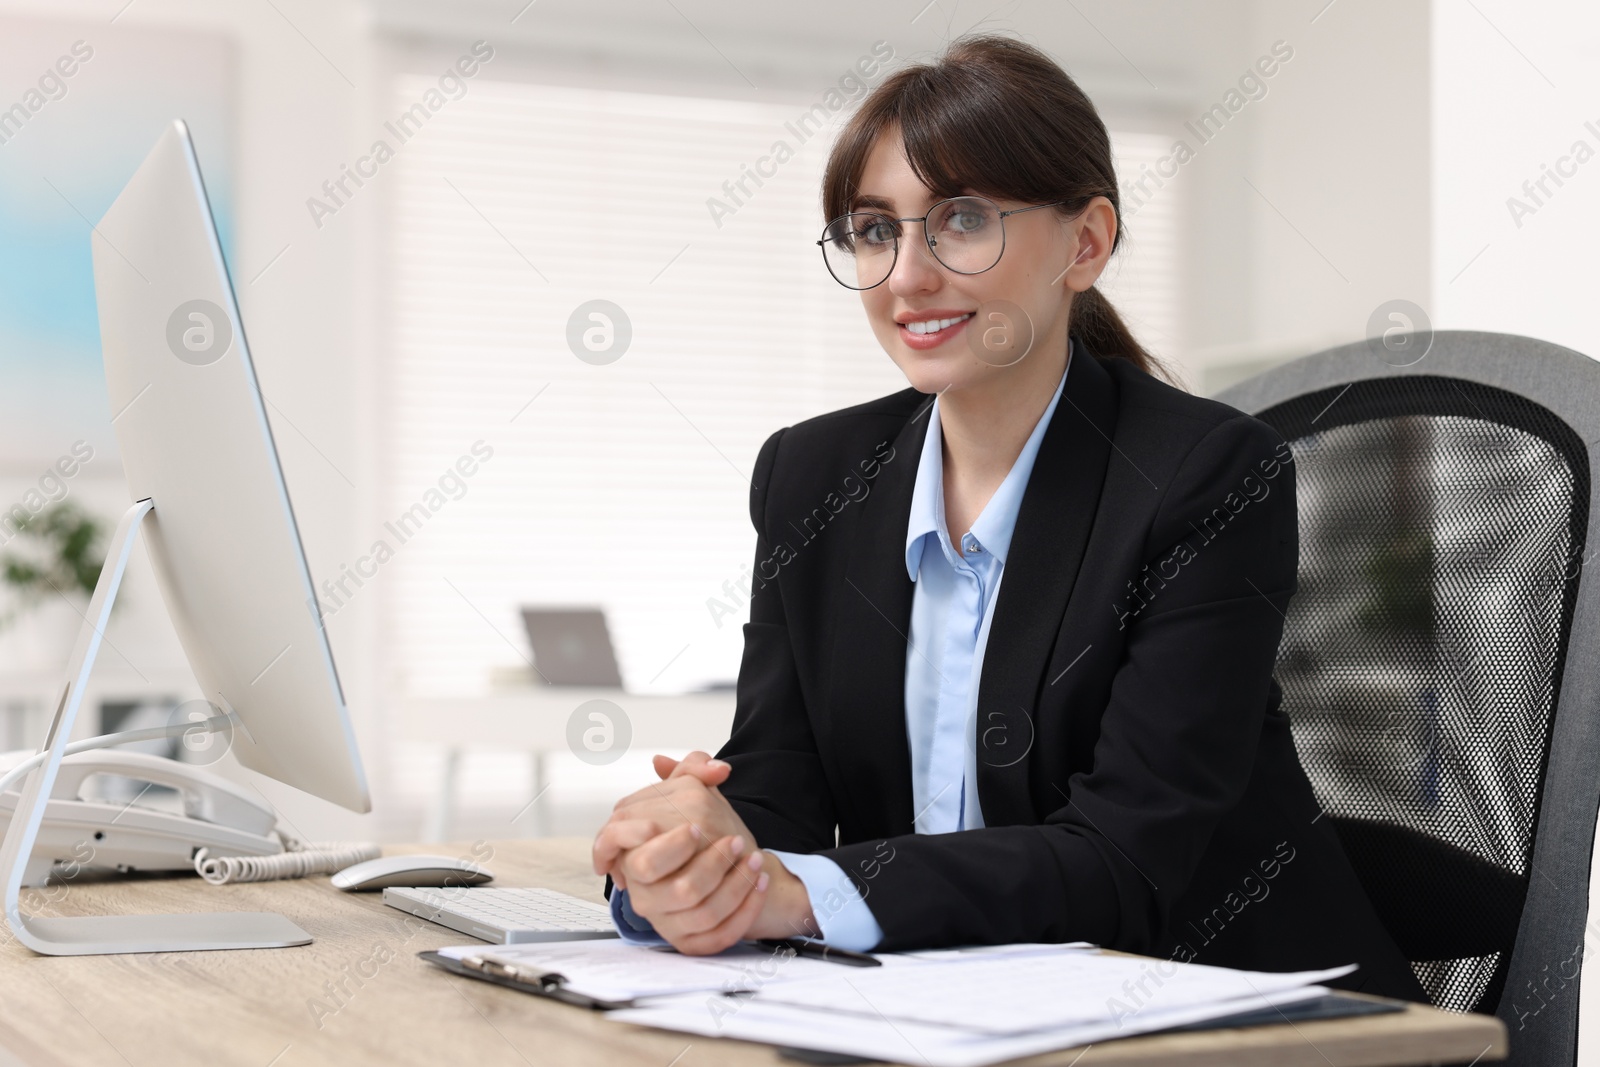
[{"x": 48, "y": 570}]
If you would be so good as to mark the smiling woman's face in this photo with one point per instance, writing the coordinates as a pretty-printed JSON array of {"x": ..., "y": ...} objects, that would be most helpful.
[{"x": 1039, "y": 246}]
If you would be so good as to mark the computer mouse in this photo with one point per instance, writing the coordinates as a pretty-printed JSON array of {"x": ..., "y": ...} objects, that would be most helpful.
[{"x": 412, "y": 872}]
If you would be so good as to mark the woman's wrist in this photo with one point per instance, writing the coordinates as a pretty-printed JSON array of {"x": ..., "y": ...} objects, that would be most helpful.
[{"x": 787, "y": 912}]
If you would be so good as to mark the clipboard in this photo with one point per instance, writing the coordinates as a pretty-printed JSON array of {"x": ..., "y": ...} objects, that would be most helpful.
[{"x": 548, "y": 984}]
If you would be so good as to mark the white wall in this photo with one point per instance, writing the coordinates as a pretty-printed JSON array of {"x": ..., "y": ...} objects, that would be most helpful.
[
  {"x": 1514, "y": 85},
  {"x": 1337, "y": 186}
]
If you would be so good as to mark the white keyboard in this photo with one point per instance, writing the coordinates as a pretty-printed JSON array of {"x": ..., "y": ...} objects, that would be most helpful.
[{"x": 507, "y": 916}]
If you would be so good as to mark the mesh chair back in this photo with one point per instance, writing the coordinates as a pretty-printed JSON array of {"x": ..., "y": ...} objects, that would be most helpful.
[
  {"x": 1439, "y": 524},
  {"x": 1438, "y": 659}
]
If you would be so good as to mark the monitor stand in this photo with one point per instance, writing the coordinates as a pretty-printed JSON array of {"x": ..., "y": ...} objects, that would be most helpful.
[{"x": 104, "y": 934}]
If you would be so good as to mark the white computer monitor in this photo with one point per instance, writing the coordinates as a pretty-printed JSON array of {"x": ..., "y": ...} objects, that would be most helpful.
[
  {"x": 192, "y": 428},
  {"x": 210, "y": 498}
]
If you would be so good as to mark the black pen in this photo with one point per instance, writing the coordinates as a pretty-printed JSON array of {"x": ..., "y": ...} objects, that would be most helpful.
[{"x": 803, "y": 947}]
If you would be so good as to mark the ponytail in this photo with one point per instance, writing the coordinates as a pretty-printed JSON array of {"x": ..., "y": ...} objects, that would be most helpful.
[{"x": 1096, "y": 323}]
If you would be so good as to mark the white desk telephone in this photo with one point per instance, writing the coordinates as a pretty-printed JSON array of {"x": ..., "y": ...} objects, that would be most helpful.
[{"x": 79, "y": 834}]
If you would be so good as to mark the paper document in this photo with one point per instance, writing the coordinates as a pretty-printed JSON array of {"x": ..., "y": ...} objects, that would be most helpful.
[
  {"x": 972, "y": 1009},
  {"x": 905, "y": 1042},
  {"x": 1012, "y": 995}
]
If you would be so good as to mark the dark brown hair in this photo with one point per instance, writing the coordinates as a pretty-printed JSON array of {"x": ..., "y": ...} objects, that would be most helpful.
[{"x": 997, "y": 116}]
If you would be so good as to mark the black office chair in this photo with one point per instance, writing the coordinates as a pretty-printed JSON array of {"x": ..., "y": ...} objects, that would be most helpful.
[{"x": 1439, "y": 660}]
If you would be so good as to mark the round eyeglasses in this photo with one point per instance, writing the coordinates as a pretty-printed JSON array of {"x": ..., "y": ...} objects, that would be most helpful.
[{"x": 966, "y": 234}]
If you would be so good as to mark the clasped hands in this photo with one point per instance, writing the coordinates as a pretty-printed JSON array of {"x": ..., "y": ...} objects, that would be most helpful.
[{"x": 692, "y": 867}]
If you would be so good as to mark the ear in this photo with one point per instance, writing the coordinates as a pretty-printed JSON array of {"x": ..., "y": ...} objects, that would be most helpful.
[{"x": 1095, "y": 232}]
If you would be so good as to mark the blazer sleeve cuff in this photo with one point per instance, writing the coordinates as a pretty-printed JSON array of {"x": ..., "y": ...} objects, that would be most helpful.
[
  {"x": 994, "y": 886},
  {"x": 841, "y": 913}
]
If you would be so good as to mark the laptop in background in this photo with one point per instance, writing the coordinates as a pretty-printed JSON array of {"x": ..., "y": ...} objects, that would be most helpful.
[{"x": 571, "y": 646}]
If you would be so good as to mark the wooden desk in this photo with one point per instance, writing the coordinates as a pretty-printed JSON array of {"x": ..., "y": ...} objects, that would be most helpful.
[{"x": 261, "y": 1008}]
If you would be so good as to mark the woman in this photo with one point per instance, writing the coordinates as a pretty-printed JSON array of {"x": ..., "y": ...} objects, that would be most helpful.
[{"x": 1008, "y": 670}]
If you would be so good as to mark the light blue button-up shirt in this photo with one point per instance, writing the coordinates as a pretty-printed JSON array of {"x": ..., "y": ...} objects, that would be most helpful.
[{"x": 951, "y": 611}]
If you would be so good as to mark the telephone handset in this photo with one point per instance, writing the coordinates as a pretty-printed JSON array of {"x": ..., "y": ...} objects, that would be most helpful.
[{"x": 79, "y": 834}]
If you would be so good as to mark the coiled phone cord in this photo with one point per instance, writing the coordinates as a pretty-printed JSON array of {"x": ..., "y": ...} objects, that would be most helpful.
[{"x": 299, "y": 859}]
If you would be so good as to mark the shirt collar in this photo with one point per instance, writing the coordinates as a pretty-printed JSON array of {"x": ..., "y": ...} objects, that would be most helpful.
[{"x": 994, "y": 526}]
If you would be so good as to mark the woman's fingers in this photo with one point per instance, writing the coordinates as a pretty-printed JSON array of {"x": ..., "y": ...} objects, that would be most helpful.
[
  {"x": 727, "y": 893},
  {"x": 736, "y": 924},
  {"x": 664, "y": 853},
  {"x": 683, "y": 810},
  {"x": 616, "y": 837},
  {"x": 680, "y": 799},
  {"x": 693, "y": 759},
  {"x": 666, "y": 789},
  {"x": 703, "y": 766},
  {"x": 689, "y": 885}
]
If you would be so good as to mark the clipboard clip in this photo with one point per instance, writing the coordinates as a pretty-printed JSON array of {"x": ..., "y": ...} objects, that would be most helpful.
[{"x": 546, "y": 981}]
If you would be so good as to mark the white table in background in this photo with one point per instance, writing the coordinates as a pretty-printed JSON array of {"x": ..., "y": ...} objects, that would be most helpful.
[{"x": 534, "y": 719}]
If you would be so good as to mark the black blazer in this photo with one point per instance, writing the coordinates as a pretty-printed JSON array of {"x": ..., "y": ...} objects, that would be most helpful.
[{"x": 1138, "y": 781}]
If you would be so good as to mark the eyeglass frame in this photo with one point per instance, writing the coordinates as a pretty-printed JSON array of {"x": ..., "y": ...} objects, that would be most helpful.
[{"x": 927, "y": 238}]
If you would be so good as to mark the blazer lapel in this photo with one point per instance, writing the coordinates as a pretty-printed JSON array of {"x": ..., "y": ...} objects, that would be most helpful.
[
  {"x": 867, "y": 705},
  {"x": 1047, "y": 548}
]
